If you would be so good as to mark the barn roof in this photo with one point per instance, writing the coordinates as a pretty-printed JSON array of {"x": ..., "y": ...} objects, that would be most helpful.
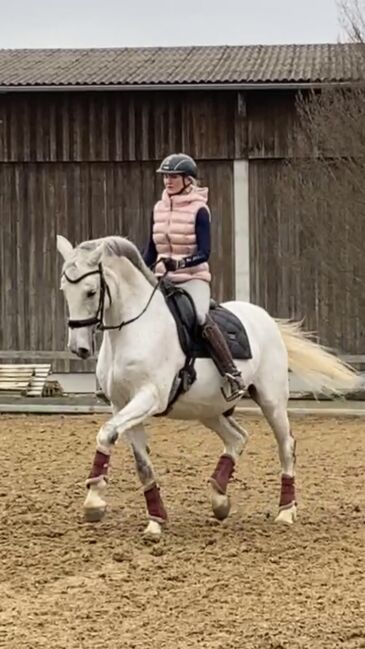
[{"x": 182, "y": 66}]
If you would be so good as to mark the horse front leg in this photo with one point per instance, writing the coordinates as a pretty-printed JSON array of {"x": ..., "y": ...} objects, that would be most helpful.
[
  {"x": 156, "y": 512},
  {"x": 144, "y": 404}
]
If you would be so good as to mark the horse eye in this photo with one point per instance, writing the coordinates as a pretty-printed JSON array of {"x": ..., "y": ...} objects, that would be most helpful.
[{"x": 90, "y": 293}]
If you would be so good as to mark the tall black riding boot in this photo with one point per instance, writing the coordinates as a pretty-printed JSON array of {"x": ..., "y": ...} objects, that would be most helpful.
[{"x": 222, "y": 357}]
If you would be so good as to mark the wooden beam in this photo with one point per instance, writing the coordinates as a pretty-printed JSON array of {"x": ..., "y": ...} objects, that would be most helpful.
[
  {"x": 42, "y": 354},
  {"x": 352, "y": 359}
]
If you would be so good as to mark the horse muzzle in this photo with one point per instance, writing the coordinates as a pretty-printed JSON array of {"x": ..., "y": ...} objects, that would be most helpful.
[
  {"x": 81, "y": 342},
  {"x": 82, "y": 352}
]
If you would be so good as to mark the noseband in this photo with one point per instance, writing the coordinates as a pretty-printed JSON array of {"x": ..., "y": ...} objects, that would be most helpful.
[{"x": 98, "y": 319}]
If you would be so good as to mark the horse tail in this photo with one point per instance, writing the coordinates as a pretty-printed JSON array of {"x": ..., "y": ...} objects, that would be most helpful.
[{"x": 317, "y": 366}]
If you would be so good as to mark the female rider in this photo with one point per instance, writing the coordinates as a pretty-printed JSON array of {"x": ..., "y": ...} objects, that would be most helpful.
[{"x": 180, "y": 241}]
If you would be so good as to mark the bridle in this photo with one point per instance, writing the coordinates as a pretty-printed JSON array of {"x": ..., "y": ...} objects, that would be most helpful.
[{"x": 98, "y": 318}]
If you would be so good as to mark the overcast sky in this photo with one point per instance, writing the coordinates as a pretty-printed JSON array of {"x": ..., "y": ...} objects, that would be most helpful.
[{"x": 118, "y": 23}]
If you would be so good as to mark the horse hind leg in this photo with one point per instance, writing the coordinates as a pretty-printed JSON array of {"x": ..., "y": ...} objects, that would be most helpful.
[
  {"x": 276, "y": 414},
  {"x": 234, "y": 438}
]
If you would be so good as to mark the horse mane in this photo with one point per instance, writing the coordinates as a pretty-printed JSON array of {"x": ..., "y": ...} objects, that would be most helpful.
[{"x": 121, "y": 247}]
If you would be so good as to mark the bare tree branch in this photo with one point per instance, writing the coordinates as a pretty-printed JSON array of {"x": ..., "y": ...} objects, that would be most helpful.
[{"x": 352, "y": 18}]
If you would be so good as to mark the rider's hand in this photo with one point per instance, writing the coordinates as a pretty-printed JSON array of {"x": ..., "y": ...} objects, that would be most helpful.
[{"x": 170, "y": 264}]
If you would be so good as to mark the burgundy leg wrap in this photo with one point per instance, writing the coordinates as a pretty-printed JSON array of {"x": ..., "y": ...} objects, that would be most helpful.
[
  {"x": 287, "y": 496},
  {"x": 223, "y": 473},
  {"x": 100, "y": 465},
  {"x": 155, "y": 506}
]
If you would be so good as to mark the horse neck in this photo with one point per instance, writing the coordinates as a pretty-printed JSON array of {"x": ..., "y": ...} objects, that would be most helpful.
[
  {"x": 131, "y": 292},
  {"x": 146, "y": 337}
]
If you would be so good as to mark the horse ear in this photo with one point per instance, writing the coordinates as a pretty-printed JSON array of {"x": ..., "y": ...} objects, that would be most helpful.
[
  {"x": 64, "y": 247},
  {"x": 96, "y": 255}
]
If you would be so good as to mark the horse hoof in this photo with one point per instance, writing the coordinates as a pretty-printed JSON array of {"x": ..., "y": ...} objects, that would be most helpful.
[
  {"x": 94, "y": 504},
  {"x": 94, "y": 514},
  {"x": 221, "y": 506},
  {"x": 153, "y": 532},
  {"x": 287, "y": 516}
]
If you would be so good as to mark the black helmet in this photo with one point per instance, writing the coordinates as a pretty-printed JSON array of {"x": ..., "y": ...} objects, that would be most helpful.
[{"x": 178, "y": 163}]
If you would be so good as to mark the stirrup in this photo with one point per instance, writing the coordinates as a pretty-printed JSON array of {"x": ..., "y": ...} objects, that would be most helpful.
[{"x": 236, "y": 391}]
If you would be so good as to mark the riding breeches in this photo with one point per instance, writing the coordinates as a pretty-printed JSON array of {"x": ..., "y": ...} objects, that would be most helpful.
[{"x": 199, "y": 291}]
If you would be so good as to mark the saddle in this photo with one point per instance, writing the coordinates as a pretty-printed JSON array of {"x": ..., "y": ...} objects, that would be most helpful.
[{"x": 189, "y": 332}]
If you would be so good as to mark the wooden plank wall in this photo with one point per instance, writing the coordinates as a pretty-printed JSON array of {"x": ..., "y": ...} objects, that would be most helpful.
[
  {"x": 117, "y": 126},
  {"x": 81, "y": 201},
  {"x": 271, "y": 117},
  {"x": 294, "y": 267}
]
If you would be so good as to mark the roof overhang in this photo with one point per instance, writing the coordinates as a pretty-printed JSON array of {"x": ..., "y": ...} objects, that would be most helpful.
[{"x": 287, "y": 85}]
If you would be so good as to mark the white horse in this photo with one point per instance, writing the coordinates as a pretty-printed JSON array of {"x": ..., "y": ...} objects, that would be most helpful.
[{"x": 107, "y": 284}]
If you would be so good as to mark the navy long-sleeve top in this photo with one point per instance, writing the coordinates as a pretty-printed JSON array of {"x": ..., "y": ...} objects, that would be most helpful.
[{"x": 202, "y": 233}]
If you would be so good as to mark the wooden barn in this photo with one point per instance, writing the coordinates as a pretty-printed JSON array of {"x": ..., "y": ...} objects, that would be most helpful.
[{"x": 81, "y": 135}]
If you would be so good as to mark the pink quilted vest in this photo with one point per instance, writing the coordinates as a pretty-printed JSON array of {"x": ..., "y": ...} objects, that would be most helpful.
[{"x": 174, "y": 232}]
